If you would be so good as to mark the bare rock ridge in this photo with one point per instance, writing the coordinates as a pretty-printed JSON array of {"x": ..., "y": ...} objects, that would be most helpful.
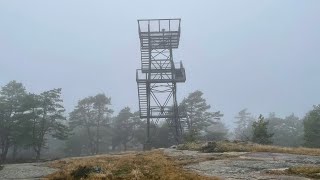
[
  {"x": 223, "y": 160},
  {"x": 25, "y": 171},
  {"x": 243, "y": 165}
]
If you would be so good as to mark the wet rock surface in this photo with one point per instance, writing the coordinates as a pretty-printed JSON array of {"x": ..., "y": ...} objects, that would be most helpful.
[
  {"x": 227, "y": 165},
  {"x": 243, "y": 165},
  {"x": 25, "y": 171}
]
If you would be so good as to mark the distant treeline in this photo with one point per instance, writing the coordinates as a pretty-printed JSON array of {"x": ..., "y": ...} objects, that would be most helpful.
[{"x": 35, "y": 124}]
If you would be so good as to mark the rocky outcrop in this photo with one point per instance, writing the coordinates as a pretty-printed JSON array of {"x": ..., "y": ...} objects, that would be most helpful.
[{"x": 243, "y": 165}]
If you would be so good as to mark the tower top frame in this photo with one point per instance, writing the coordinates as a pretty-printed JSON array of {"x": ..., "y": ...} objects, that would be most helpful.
[
  {"x": 159, "y": 33},
  {"x": 159, "y": 25}
]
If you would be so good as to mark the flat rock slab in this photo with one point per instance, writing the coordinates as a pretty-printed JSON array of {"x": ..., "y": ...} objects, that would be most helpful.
[
  {"x": 244, "y": 165},
  {"x": 25, "y": 171},
  {"x": 240, "y": 169},
  {"x": 289, "y": 158}
]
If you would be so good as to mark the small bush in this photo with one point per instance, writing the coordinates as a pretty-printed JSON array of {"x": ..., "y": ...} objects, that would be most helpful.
[
  {"x": 1, "y": 167},
  {"x": 85, "y": 171},
  {"x": 192, "y": 146},
  {"x": 210, "y": 147}
]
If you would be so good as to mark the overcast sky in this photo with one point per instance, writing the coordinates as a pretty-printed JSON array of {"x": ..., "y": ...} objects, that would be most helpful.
[{"x": 260, "y": 55}]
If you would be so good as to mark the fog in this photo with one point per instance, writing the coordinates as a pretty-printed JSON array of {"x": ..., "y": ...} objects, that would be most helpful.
[{"x": 260, "y": 55}]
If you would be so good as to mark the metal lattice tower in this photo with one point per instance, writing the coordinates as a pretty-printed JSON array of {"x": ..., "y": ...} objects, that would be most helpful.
[{"x": 157, "y": 78}]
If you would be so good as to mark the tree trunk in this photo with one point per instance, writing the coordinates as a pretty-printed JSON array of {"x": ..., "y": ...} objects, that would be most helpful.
[
  {"x": 91, "y": 143},
  {"x": 5, "y": 149},
  {"x": 98, "y": 136},
  {"x": 97, "y": 146},
  {"x": 2, "y": 158},
  {"x": 125, "y": 146},
  {"x": 113, "y": 147},
  {"x": 38, "y": 155},
  {"x": 38, "y": 152},
  {"x": 93, "y": 147},
  {"x": 15, "y": 151}
]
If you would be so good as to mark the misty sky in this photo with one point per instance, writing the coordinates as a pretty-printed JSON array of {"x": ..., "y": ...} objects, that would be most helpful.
[{"x": 260, "y": 55}]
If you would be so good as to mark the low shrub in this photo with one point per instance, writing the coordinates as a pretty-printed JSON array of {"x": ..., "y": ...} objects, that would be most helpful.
[{"x": 85, "y": 171}]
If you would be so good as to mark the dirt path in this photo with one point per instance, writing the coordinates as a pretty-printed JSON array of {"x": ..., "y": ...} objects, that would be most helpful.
[
  {"x": 25, "y": 171},
  {"x": 242, "y": 165}
]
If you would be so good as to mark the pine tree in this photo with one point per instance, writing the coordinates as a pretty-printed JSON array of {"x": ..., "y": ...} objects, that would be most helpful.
[
  {"x": 48, "y": 114},
  {"x": 11, "y": 97},
  {"x": 312, "y": 127},
  {"x": 92, "y": 114},
  {"x": 124, "y": 126},
  {"x": 198, "y": 115},
  {"x": 244, "y": 122},
  {"x": 260, "y": 131}
]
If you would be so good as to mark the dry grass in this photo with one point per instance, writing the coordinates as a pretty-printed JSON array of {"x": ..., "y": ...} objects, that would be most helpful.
[
  {"x": 187, "y": 160},
  {"x": 307, "y": 171},
  {"x": 155, "y": 165},
  {"x": 224, "y": 146},
  {"x": 192, "y": 146},
  {"x": 136, "y": 166}
]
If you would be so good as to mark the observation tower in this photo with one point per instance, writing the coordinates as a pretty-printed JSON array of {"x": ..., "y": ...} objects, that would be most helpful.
[{"x": 158, "y": 76}]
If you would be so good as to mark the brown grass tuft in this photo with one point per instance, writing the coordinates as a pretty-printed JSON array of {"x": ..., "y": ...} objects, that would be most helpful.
[
  {"x": 224, "y": 146},
  {"x": 307, "y": 171},
  {"x": 136, "y": 166}
]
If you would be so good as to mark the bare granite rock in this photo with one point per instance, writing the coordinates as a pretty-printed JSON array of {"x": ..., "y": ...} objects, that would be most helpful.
[
  {"x": 25, "y": 171},
  {"x": 243, "y": 165}
]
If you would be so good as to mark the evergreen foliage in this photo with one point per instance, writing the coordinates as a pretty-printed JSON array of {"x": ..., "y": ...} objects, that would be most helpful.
[
  {"x": 312, "y": 128},
  {"x": 260, "y": 131}
]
